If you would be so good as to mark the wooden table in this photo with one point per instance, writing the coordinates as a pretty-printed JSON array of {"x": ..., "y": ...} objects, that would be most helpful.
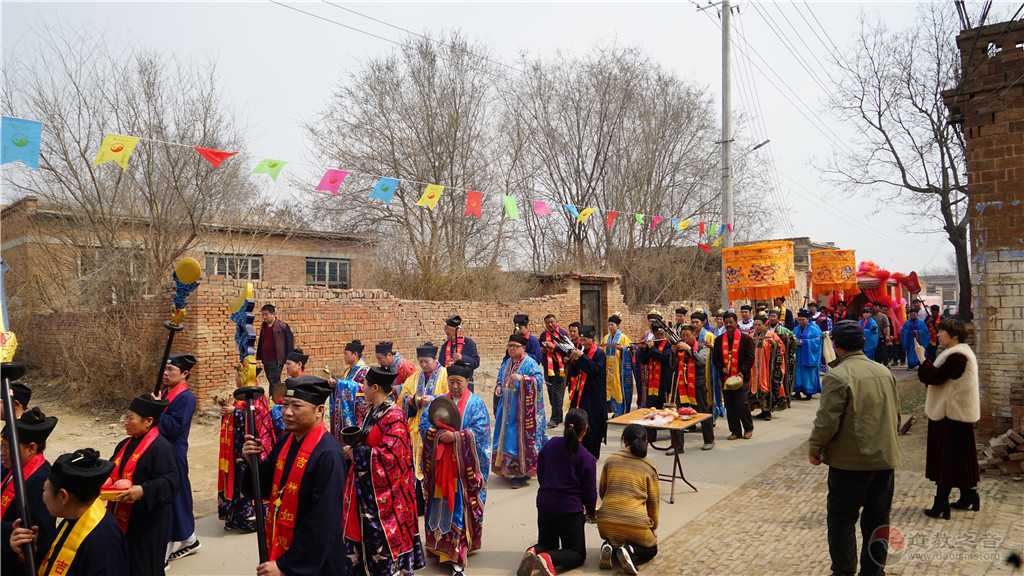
[{"x": 675, "y": 429}]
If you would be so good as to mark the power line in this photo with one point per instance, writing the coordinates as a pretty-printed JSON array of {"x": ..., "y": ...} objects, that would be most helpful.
[
  {"x": 811, "y": 51},
  {"x": 336, "y": 23},
  {"x": 773, "y": 26}
]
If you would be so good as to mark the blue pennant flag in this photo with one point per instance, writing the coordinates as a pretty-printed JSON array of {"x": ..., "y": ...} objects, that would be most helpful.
[
  {"x": 571, "y": 209},
  {"x": 384, "y": 189},
  {"x": 21, "y": 140}
]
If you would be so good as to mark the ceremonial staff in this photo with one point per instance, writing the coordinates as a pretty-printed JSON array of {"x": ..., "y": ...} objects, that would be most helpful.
[
  {"x": 245, "y": 339},
  {"x": 186, "y": 279},
  {"x": 12, "y": 371}
]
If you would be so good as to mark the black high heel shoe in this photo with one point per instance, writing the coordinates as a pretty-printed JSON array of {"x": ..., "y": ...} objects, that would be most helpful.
[
  {"x": 940, "y": 506},
  {"x": 969, "y": 500}
]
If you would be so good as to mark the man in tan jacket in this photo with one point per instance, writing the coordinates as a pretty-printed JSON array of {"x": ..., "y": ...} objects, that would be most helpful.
[{"x": 855, "y": 434}]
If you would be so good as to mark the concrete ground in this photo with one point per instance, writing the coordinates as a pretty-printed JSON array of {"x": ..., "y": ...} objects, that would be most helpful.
[{"x": 510, "y": 515}]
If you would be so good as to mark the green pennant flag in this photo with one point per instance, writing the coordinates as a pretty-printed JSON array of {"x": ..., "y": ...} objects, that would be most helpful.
[
  {"x": 639, "y": 218},
  {"x": 270, "y": 167},
  {"x": 511, "y": 208}
]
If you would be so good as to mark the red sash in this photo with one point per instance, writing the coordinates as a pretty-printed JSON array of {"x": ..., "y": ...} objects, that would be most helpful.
[
  {"x": 731, "y": 357},
  {"x": 27, "y": 470},
  {"x": 579, "y": 382},
  {"x": 122, "y": 511},
  {"x": 226, "y": 456},
  {"x": 454, "y": 347},
  {"x": 171, "y": 394},
  {"x": 446, "y": 475},
  {"x": 686, "y": 377},
  {"x": 281, "y": 524},
  {"x": 552, "y": 361},
  {"x": 654, "y": 371}
]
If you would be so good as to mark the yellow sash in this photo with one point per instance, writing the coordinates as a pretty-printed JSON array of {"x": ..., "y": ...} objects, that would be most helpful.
[{"x": 66, "y": 554}]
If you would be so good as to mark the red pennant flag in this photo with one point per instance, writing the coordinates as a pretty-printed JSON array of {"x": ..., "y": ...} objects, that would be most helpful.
[
  {"x": 700, "y": 230},
  {"x": 609, "y": 220},
  {"x": 703, "y": 246},
  {"x": 214, "y": 157},
  {"x": 473, "y": 201}
]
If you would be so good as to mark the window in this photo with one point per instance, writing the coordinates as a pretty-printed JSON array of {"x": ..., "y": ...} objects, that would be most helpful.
[
  {"x": 237, "y": 266},
  {"x": 329, "y": 272}
]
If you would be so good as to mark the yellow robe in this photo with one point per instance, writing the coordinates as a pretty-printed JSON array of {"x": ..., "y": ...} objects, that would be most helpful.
[
  {"x": 613, "y": 368},
  {"x": 409, "y": 391}
]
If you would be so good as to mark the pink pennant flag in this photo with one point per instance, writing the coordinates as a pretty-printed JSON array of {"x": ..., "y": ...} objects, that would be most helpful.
[
  {"x": 655, "y": 220},
  {"x": 609, "y": 220},
  {"x": 729, "y": 226},
  {"x": 331, "y": 181},
  {"x": 540, "y": 208}
]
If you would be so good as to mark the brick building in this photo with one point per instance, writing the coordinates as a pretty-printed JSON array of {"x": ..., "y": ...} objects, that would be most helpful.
[
  {"x": 989, "y": 104},
  {"x": 46, "y": 255}
]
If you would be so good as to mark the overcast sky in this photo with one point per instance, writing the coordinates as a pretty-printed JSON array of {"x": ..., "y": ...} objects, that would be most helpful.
[{"x": 278, "y": 67}]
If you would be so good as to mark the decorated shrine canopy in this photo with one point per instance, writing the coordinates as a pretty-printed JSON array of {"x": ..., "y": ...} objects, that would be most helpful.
[
  {"x": 760, "y": 271},
  {"x": 834, "y": 271}
]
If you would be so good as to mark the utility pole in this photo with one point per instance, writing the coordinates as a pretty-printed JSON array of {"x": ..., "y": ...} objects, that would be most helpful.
[{"x": 727, "y": 199}]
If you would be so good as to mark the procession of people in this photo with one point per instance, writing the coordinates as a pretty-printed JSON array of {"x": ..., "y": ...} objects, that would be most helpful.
[{"x": 345, "y": 465}]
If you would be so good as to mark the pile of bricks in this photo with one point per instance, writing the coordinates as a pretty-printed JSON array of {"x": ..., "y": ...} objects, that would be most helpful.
[{"x": 1004, "y": 455}]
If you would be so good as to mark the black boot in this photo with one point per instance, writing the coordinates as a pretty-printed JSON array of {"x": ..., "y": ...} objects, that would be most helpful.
[
  {"x": 969, "y": 500},
  {"x": 940, "y": 507}
]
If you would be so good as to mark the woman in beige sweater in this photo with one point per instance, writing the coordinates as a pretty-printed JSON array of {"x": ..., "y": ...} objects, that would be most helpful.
[
  {"x": 629, "y": 504},
  {"x": 952, "y": 406}
]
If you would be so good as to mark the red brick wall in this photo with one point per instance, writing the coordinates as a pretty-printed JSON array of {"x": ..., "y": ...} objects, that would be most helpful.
[{"x": 990, "y": 103}]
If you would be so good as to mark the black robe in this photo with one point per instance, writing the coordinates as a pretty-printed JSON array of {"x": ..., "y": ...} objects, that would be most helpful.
[
  {"x": 102, "y": 553},
  {"x": 149, "y": 528},
  {"x": 595, "y": 398},
  {"x": 9, "y": 563},
  {"x": 664, "y": 357},
  {"x": 316, "y": 547},
  {"x": 746, "y": 352}
]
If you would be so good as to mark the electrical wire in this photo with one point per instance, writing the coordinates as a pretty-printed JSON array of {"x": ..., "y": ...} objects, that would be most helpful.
[{"x": 793, "y": 51}]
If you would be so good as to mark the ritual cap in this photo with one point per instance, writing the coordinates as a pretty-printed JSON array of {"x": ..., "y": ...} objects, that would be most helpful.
[
  {"x": 81, "y": 473},
  {"x": 21, "y": 393},
  {"x": 803, "y": 313},
  {"x": 460, "y": 369},
  {"x": 454, "y": 321},
  {"x": 381, "y": 377},
  {"x": 518, "y": 339},
  {"x": 588, "y": 331},
  {"x": 33, "y": 426},
  {"x": 182, "y": 361},
  {"x": 426, "y": 350},
  {"x": 384, "y": 347},
  {"x": 615, "y": 318},
  {"x": 298, "y": 356},
  {"x": 312, "y": 389},
  {"x": 521, "y": 320},
  {"x": 148, "y": 407},
  {"x": 354, "y": 346}
]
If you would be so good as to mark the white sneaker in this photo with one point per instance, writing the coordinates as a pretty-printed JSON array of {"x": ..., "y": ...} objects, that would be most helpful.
[
  {"x": 606, "y": 555},
  {"x": 187, "y": 550},
  {"x": 626, "y": 560}
]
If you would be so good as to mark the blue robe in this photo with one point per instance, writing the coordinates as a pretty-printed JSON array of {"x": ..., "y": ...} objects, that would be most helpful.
[
  {"x": 712, "y": 377},
  {"x": 469, "y": 354},
  {"x": 907, "y": 339},
  {"x": 870, "y": 328},
  {"x": 175, "y": 424},
  {"x": 625, "y": 373},
  {"x": 808, "y": 359},
  {"x": 533, "y": 350},
  {"x": 506, "y": 425}
]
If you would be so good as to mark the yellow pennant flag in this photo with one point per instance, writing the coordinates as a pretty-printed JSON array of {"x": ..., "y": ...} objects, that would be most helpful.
[
  {"x": 684, "y": 225},
  {"x": 116, "y": 148},
  {"x": 431, "y": 194},
  {"x": 717, "y": 242},
  {"x": 586, "y": 213}
]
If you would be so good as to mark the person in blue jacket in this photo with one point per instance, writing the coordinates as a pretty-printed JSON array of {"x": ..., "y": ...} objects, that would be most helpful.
[
  {"x": 913, "y": 329},
  {"x": 870, "y": 328},
  {"x": 175, "y": 424}
]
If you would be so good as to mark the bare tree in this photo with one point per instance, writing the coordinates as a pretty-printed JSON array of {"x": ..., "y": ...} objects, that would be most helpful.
[
  {"x": 424, "y": 115},
  {"x": 890, "y": 90}
]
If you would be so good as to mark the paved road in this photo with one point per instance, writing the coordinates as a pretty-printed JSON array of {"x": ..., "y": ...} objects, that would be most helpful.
[{"x": 510, "y": 515}]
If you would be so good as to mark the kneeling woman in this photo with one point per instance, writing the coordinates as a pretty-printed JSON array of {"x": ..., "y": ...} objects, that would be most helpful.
[
  {"x": 568, "y": 489},
  {"x": 629, "y": 504}
]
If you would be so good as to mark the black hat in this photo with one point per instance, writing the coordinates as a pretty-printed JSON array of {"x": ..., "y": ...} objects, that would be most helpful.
[
  {"x": 745, "y": 307},
  {"x": 426, "y": 350},
  {"x": 12, "y": 370},
  {"x": 147, "y": 407},
  {"x": 654, "y": 314},
  {"x": 354, "y": 346},
  {"x": 454, "y": 321},
  {"x": 782, "y": 298},
  {"x": 698, "y": 315},
  {"x": 381, "y": 377},
  {"x": 462, "y": 369},
  {"x": 812, "y": 303},
  {"x": 588, "y": 331},
  {"x": 775, "y": 311},
  {"x": 81, "y": 473},
  {"x": 848, "y": 335},
  {"x": 615, "y": 319},
  {"x": 312, "y": 389},
  {"x": 681, "y": 310},
  {"x": 34, "y": 426},
  {"x": 182, "y": 361},
  {"x": 521, "y": 320},
  {"x": 384, "y": 347},
  {"x": 21, "y": 393},
  {"x": 803, "y": 313},
  {"x": 297, "y": 355},
  {"x": 518, "y": 339}
]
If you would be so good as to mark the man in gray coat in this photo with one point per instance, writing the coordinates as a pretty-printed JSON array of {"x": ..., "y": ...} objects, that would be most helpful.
[{"x": 855, "y": 433}]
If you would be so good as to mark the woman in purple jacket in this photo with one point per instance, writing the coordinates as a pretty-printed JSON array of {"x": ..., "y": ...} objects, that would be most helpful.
[{"x": 566, "y": 498}]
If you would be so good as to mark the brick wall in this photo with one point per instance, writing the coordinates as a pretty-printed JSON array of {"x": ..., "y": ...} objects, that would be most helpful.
[{"x": 990, "y": 103}]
